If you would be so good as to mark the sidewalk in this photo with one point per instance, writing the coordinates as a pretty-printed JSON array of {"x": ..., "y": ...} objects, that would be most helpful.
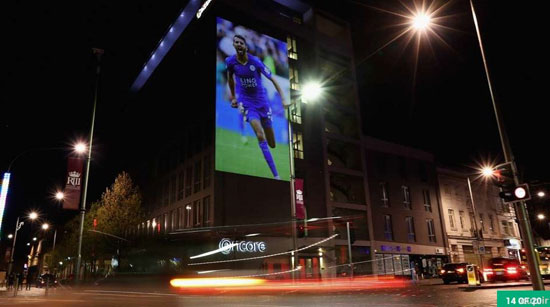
[
  {"x": 25, "y": 293},
  {"x": 488, "y": 285}
]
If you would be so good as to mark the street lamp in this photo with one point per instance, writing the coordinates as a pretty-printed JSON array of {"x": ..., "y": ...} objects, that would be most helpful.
[
  {"x": 32, "y": 216},
  {"x": 98, "y": 53},
  {"x": 521, "y": 211},
  {"x": 10, "y": 236},
  {"x": 59, "y": 195},
  {"x": 45, "y": 226},
  {"x": 311, "y": 91},
  {"x": 541, "y": 216},
  {"x": 421, "y": 21},
  {"x": 541, "y": 194}
]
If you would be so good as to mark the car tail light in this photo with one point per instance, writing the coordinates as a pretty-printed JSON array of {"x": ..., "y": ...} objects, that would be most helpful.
[
  {"x": 442, "y": 271},
  {"x": 461, "y": 270},
  {"x": 488, "y": 271}
]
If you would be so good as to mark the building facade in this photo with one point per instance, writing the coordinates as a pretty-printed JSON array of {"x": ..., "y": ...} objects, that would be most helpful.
[
  {"x": 480, "y": 230},
  {"x": 406, "y": 217}
]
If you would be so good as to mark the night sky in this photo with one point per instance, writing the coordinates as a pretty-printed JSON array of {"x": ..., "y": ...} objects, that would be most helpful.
[{"x": 48, "y": 68}]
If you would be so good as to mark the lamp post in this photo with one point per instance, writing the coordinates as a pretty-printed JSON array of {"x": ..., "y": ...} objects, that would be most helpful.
[
  {"x": 521, "y": 211},
  {"x": 18, "y": 225},
  {"x": 82, "y": 148},
  {"x": 309, "y": 93},
  {"x": 478, "y": 237}
]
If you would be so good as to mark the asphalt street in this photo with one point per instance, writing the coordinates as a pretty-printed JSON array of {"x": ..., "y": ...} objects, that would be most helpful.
[{"x": 413, "y": 295}]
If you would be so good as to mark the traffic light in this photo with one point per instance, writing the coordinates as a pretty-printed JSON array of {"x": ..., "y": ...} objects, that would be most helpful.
[
  {"x": 504, "y": 176},
  {"x": 516, "y": 193}
]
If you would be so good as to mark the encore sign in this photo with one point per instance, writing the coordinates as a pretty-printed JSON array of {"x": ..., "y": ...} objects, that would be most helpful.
[{"x": 242, "y": 246}]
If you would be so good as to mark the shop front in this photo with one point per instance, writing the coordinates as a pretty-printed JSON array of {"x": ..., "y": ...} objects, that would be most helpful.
[{"x": 409, "y": 260}]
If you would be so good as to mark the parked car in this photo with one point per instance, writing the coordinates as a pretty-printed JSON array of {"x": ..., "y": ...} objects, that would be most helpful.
[
  {"x": 505, "y": 269},
  {"x": 42, "y": 279},
  {"x": 454, "y": 272}
]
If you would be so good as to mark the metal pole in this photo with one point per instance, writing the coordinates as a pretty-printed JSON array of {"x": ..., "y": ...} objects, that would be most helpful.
[
  {"x": 478, "y": 238},
  {"x": 521, "y": 212},
  {"x": 349, "y": 252},
  {"x": 10, "y": 266},
  {"x": 294, "y": 261},
  {"x": 98, "y": 53},
  {"x": 54, "y": 237}
]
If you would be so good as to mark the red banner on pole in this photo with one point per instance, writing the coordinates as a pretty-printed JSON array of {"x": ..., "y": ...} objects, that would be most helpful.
[
  {"x": 71, "y": 199},
  {"x": 300, "y": 207}
]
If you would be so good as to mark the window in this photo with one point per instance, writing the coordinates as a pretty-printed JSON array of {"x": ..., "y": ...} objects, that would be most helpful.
[
  {"x": 384, "y": 194},
  {"x": 180, "y": 185},
  {"x": 431, "y": 230},
  {"x": 174, "y": 215},
  {"x": 291, "y": 46},
  {"x": 298, "y": 145},
  {"x": 511, "y": 226},
  {"x": 452, "y": 219},
  {"x": 206, "y": 211},
  {"x": 505, "y": 228},
  {"x": 296, "y": 113},
  {"x": 172, "y": 188},
  {"x": 481, "y": 222},
  {"x": 409, "y": 220},
  {"x": 197, "y": 177},
  {"x": 180, "y": 223},
  {"x": 491, "y": 224},
  {"x": 427, "y": 200},
  {"x": 197, "y": 210},
  {"x": 188, "y": 215},
  {"x": 188, "y": 180},
  {"x": 461, "y": 217},
  {"x": 166, "y": 222},
  {"x": 388, "y": 229},
  {"x": 206, "y": 172},
  {"x": 472, "y": 222},
  {"x": 406, "y": 197}
]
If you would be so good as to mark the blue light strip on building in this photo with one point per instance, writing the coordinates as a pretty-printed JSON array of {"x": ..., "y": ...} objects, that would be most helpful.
[
  {"x": 174, "y": 32},
  {"x": 3, "y": 196}
]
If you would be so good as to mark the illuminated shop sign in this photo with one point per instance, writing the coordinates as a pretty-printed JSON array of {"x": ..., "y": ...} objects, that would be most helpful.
[{"x": 241, "y": 246}]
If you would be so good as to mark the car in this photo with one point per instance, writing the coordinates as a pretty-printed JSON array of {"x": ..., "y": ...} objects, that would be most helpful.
[
  {"x": 42, "y": 279},
  {"x": 504, "y": 269},
  {"x": 454, "y": 272}
]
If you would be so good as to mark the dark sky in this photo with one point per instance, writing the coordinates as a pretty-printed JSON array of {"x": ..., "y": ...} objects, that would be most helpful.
[{"x": 46, "y": 93}]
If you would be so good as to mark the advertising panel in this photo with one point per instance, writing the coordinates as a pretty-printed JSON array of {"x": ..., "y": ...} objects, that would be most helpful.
[{"x": 252, "y": 90}]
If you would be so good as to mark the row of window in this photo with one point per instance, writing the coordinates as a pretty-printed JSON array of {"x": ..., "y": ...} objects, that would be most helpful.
[
  {"x": 411, "y": 233},
  {"x": 195, "y": 214},
  {"x": 406, "y": 194},
  {"x": 507, "y": 227},
  {"x": 192, "y": 179}
]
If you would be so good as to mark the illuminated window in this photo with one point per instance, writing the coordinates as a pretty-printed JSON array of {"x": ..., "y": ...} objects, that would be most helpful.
[
  {"x": 296, "y": 113},
  {"x": 491, "y": 224},
  {"x": 298, "y": 145},
  {"x": 188, "y": 215},
  {"x": 291, "y": 47}
]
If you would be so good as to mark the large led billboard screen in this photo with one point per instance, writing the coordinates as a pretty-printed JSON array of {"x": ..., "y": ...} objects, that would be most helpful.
[{"x": 252, "y": 87}]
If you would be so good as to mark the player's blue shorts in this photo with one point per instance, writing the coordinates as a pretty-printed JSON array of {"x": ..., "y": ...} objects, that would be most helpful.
[{"x": 263, "y": 114}]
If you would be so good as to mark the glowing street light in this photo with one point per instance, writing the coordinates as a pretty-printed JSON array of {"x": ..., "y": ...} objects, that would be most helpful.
[
  {"x": 487, "y": 171},
  {"x": 421, "y": 21},
  {"x": 59, "y": 195},
  {"x": 541, "y": 216},
  {"x": 45, "y": 226},
  {"x": 541, "y": 194},
  {"x": 33, "y": 215},
  {"x": 80, "y": 148},
  {"x": 10, "y": 236},
  {"x": 34, "y": 239},
  {"x": 311, "y": 91}
]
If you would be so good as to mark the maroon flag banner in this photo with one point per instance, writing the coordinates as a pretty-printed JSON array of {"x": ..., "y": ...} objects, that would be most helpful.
[
  {"x": 71, "y": 198},
  {"x": 300, "y": 207}
]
